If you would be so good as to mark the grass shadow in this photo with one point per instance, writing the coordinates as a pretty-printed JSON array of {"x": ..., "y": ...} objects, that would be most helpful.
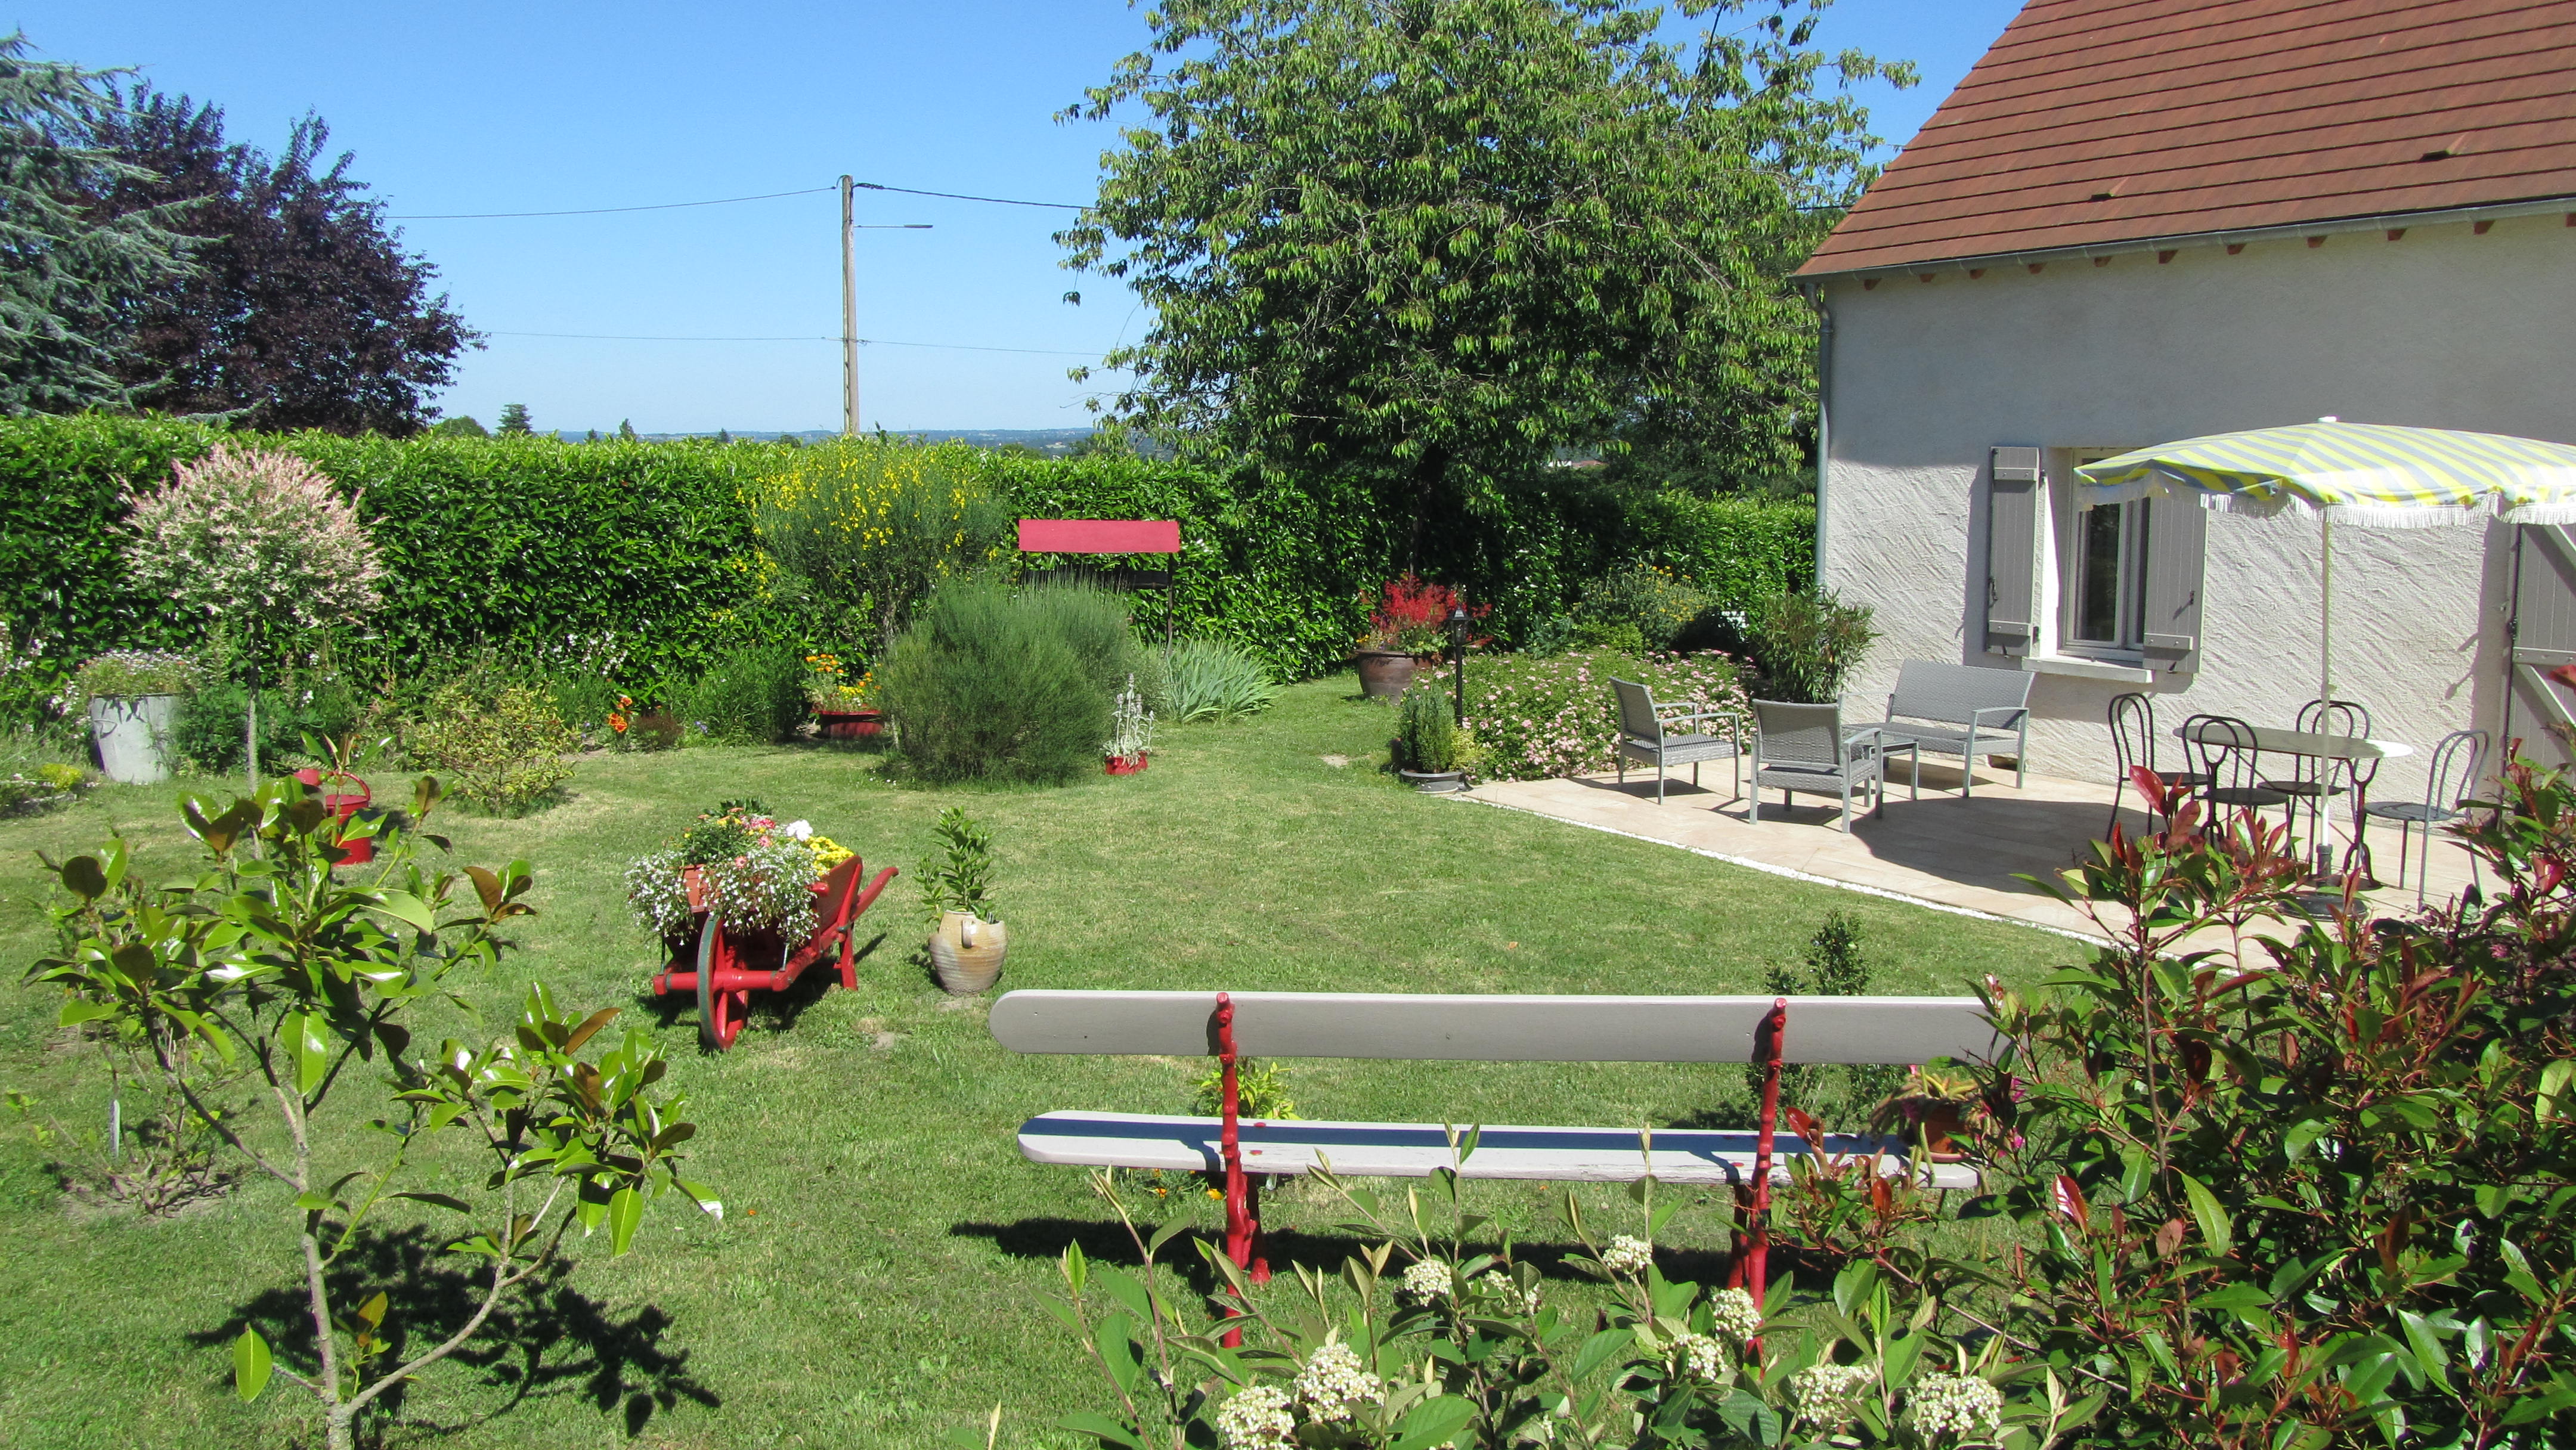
[
  {"x": 1106, "y": 1241},
  {"x": 543, "y": 1340}
]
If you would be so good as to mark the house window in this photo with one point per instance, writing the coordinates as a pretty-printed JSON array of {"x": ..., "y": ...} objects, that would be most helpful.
[
  {"x": 2101, "y": 568},
  {"x": 2109, "y": 585}
]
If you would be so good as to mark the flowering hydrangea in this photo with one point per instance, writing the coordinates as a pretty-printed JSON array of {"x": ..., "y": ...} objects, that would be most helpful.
[
  {"x": 1628, "y": 1254},
  {"x": 1701, "y": 1357},
  {"x": 1514, "y": 1298},
  {"x": 1429, "y": 1280},
  {"x": 1829, "y": 1395},
  {"x": 1256, "y": 1418},
  {"x": 1734, "y": 1315},
  {"x": 1333, "y": 1381},
  {"x": 1953, "y": 1404}
]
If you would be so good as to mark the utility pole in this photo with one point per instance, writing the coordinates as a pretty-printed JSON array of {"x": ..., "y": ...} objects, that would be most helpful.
[{"x": 849, "y": 318}]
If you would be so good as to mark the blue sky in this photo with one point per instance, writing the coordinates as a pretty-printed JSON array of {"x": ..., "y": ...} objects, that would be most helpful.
[{"x": 543, "y": 105}]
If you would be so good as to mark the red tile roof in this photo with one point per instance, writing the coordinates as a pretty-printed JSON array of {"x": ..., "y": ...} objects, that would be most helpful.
[{"x": 2093, "y": 122}]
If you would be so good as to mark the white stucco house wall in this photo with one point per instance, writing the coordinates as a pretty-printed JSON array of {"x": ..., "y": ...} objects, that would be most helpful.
[{"x": 2127, "y": 228}]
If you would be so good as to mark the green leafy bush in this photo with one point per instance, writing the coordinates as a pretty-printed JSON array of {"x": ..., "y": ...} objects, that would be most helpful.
[
  {"x": 1804, "y": 645},
  {"x": 960, "y": 876},
  {"x": 209, "y": 727},
  {"x": 283, "y": 958},
  {"x": 1535, "y": 717},
  {"x": 1638, "y": 607},
  {"x": 499, "y": 746},
  {"x": 1426, "y": 738},
  {"x": 1212, "y": 679},
  {"x": 992, "y": 686},
  {"x": 751, "y": 695}
]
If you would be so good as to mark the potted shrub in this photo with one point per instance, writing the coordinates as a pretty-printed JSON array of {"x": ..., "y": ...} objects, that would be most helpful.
[
  {"x": 1933, "y": 1106},
  {"x": 133, "y": 700},
  {"x": 1131, "y": 731},
  {"x": 1427, "y": 744},
  {"x": 844, "y": 709},
  {"x": 966, "y": 945}
]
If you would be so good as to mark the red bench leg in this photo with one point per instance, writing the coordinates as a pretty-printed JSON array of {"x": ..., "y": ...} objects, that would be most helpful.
[
  {"x": 1242, "y": 1199},
  {"x": 1753, "y": 1246}
]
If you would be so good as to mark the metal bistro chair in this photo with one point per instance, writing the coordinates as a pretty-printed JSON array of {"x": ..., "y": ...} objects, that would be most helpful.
[
  {"x": 2231, "y": 764},
  {"x": 2315, "y": 779},
  {"x": 1803, "y": 748},
  {"x": 2133, "y": 743},
  {"x": 2452, "y": 774},
  {"x": 1646, "y": 736}
]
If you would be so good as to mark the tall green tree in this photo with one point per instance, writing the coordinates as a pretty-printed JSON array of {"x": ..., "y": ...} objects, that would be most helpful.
[
  {"x": 68, "y": 280},
  {"x": 1425, "y": 242},
  {"x": 514, "y": 420}
]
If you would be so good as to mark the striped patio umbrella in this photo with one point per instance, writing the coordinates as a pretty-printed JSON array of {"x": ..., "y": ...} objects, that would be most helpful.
[{"x": 2368, "y": 474}]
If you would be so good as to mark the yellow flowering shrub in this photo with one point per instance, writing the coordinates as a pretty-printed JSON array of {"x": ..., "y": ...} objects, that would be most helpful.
[{"x": 870, "y": 524}]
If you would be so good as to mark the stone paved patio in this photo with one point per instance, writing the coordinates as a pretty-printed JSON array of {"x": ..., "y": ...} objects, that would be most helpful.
[{"x": 1941, "y": 851}]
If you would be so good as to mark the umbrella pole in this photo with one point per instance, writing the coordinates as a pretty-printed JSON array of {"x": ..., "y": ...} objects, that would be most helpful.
[{"x": 2325, "y": 613}]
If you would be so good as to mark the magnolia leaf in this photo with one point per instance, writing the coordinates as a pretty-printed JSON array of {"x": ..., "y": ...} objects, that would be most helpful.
[
  {"x": 1100, "y": 1427},
  {"x": 439, "y": 1200},
  {"x": 84, "y": 877},
  {"x": 408, "y": 909},
  {"x": 1436, "y": 1421},
  {"x": 625, "y": 1212},
  {"x": 251, "y": 1365}
]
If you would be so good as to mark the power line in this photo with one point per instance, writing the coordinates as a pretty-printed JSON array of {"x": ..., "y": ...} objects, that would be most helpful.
[
  {"x": 961, "y": 196},
  {"x": 865, "y": 341},
  {"x": 478, "y": 216}
]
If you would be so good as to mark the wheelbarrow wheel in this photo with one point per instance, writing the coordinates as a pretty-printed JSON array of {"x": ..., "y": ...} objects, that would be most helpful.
[{"x": 710, "y": 1035}]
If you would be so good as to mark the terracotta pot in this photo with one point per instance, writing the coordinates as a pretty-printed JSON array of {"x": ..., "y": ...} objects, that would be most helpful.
[
  {"x": 1385, "y": 673},
  {"x": 1938, "y": 1121},
  {"x": 1127, "y": 764},
  {"x": 967, "y": 968}
]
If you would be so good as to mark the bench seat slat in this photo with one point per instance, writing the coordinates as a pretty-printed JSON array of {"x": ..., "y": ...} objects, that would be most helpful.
[
  {"x": 1414, "y": 1150},
  {"x": 1493, "y": 1028}
]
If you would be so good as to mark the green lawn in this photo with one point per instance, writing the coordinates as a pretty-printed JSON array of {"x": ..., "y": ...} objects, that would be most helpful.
[{"x": 876, "y": 1279}]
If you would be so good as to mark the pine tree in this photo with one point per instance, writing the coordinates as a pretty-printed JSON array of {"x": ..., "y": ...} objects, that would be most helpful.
[
  {"x": 68, "y": 280},
  {"x": 625, "y": 431},
  {"x": 514, "y": 420},
  {"x": 724, "y": 435}
]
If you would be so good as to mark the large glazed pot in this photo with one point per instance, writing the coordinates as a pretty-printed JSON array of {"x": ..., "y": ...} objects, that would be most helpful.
[
  {"x": 1385, "y": 674},
  {"x": 967, "y": 953},
  {"x": 133, "y": 733}
]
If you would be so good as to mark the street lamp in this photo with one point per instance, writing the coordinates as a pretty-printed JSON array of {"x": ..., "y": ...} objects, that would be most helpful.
[{"x": 1458, "y": 652}]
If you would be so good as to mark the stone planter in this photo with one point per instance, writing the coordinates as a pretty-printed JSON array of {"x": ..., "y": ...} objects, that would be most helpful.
[
  {"x": 849, "y": 724},
  {"x": 133, "y": 734},
  {"x": 967, "y": 966},
  {"x": 1385, "y": 674},
  {"x": 1434, "y": 782}
]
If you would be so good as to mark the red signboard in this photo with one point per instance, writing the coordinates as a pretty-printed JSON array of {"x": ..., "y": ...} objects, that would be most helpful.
[{"x": 1100, "y": 536}]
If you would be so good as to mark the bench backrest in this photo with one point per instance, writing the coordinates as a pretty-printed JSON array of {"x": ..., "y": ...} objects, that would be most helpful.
[
  {"x": 1440, "y": 1027},
  {"x": 1954, "y": 693}
]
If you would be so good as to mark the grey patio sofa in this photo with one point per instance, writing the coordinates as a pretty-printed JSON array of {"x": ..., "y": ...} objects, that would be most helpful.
[{"x": 1960, "y": 710}]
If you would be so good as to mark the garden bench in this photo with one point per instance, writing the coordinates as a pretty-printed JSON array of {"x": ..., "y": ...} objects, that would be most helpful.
[
  {"x": 1423, "y": 1028},
  {"x": 1960, "y": 710}
]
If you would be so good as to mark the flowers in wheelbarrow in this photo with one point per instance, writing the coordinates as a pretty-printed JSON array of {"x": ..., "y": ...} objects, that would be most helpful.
[{"x": 756, "y": 874}]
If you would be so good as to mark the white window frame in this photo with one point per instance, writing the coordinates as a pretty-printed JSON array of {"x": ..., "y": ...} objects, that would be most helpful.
[{"x": 2064, "y": 558}]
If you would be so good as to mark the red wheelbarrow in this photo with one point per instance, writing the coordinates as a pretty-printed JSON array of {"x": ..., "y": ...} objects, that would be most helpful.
[{"x": 723, "y": 977}]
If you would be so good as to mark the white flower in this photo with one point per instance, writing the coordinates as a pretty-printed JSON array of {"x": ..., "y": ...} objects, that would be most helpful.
[
  {"x": 1952, "y": 1404},
  {"x": 1429, "y": 1280},
  {"x": 797, "y": 830},
  {"x": 1733, "y": 1313},
  {"x": 1829, "y": 1395},
  {"x": 1256, "y": 1418},
  {"x": 1516, "y": 1300},
  {"x": 1628, "y": 1255},
  {"x": 1700, "y": 1356},
  {"x": 1333, "y": 1381}
]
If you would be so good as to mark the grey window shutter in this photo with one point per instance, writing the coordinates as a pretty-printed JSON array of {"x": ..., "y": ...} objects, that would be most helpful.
[
  {"x": 2012, "y": 544},
  {"x": 2177, "y": 541}
]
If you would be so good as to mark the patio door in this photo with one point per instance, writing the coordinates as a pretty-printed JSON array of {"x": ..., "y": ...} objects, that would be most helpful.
[{"x": 2542, "y": 634}]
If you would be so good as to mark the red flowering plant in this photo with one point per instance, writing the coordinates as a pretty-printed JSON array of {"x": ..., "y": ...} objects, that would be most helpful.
[{"x": 1412, "y": 615}]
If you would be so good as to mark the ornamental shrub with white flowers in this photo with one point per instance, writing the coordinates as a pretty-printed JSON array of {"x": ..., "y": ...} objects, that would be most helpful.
[
  {"x": 1533, "y": 718},
  {"x": 257, "y": 541}
]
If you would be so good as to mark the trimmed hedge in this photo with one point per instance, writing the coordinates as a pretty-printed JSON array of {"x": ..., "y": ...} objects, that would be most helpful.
[{"x": 639, "y": 559}]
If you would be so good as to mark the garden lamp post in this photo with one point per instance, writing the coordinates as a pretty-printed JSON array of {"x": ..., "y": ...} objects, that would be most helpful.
[{"x": 1458, "y": 652}]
